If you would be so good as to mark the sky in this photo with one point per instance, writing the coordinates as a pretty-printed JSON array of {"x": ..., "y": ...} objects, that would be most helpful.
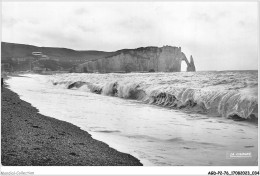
[{"x": 219, "y": 35}]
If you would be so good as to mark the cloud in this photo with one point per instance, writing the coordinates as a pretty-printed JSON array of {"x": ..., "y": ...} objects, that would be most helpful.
[
  {"x": 80, "y": 11},
  {"x": 9, "y": 22}
]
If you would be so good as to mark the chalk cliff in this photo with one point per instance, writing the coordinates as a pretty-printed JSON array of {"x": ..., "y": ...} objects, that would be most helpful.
[
  {"x": 163, "y": 59},
  {"x": 190, "y": 65}
]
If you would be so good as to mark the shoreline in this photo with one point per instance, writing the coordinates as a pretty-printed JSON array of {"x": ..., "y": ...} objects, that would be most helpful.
[{"x": 31, "y": 139}]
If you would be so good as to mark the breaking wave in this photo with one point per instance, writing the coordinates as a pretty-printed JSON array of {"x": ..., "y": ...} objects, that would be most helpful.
[{"x": 232, "y": 100}]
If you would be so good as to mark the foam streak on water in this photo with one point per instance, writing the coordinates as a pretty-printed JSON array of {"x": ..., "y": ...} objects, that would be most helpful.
[{"x": 143, "y": 114}]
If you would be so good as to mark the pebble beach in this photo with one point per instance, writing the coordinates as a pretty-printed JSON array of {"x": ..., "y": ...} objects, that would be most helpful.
[{"x": 32, "y": 139}]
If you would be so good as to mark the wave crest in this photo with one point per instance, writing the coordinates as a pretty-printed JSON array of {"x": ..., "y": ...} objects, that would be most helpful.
[{"x": 219, "y": 102}]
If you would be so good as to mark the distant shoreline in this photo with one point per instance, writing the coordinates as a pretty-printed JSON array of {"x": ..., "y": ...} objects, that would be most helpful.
[{"x": 32, "y": 139}]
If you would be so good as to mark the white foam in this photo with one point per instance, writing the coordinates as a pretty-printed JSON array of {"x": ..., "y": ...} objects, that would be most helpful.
[{"x": 215, "y": 92}]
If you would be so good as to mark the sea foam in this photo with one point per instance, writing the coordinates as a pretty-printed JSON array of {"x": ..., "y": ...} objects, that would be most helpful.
[{"x": 226, "y": 94}]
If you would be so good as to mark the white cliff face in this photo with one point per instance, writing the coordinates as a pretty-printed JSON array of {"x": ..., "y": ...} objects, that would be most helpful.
[
  {"x": 170, "y": 59},
  {"x": 164, "y": 59}
]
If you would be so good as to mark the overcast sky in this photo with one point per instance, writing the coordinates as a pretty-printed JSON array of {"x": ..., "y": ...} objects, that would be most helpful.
[{"x": 219, "y": 35}]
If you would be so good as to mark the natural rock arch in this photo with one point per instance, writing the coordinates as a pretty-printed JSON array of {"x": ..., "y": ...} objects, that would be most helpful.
[
  {"x": 164, "y": 59},
  {"x": 190, "y": 65}
]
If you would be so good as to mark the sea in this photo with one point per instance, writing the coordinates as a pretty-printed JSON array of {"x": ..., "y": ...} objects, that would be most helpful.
[{"x": 207, "y": 118}]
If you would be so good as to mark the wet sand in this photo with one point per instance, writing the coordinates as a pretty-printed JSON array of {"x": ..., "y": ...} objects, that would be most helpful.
[{"x": 31, "y": 139}]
